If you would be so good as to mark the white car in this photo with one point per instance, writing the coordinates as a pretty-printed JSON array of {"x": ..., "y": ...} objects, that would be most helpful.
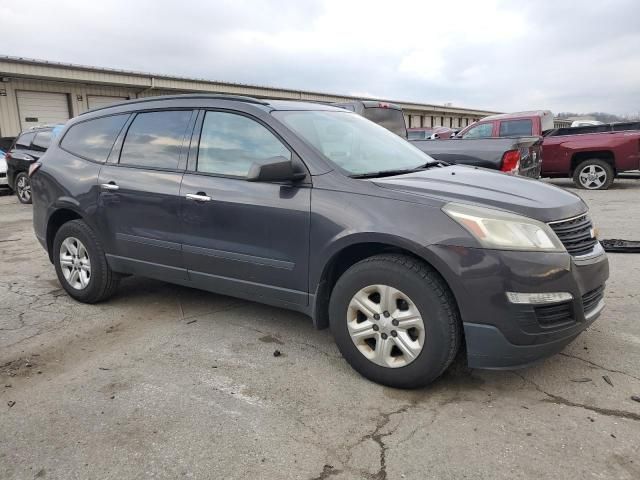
[{"x": 3, "y": 172}]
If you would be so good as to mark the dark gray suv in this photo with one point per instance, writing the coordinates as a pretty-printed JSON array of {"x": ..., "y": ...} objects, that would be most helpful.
[{"x": 316, "y": 209}]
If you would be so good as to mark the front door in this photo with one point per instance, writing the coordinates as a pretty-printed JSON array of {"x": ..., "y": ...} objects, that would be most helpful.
[
  {"x": 246, "y": 239},
  {"x": 139, "y": 195}
]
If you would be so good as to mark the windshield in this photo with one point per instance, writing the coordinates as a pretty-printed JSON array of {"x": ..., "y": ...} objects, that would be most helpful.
[{"x": 352, "y": 142}]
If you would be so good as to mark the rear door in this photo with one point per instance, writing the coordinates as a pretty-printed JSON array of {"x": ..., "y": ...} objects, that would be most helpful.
[
  {"x": 248, "y": 239},
  {"x": 140, "y": 187},
  {"x": 19, "y": 157}
]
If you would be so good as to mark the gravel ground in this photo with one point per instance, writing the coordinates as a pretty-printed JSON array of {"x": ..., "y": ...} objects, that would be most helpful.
[{"x": 167, "y": 382}]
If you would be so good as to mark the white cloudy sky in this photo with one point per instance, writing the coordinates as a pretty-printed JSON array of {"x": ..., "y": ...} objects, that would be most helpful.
[{"x": 497, "y": 55}]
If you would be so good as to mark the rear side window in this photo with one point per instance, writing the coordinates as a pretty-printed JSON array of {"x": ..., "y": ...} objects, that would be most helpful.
[
  {"x": 512, "y": 128},
  {"x": 24, "y": 141},
  {"x": 93, "y": 139},
  {"x": 155, "y": 139},
  {"x": 42, "y": 140},
  {"x": 484, "y": 130},
  {"x": 230, "y": 143},
  {"x": 389, "y": 118}
]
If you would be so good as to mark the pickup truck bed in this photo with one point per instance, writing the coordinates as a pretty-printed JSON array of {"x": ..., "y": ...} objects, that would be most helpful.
[{"x": 494, "y": 153}]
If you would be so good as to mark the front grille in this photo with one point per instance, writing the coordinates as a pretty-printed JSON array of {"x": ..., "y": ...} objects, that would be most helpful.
[
  {"x": 3, "y": 174},
  {"x": 591, "y": 299},
  {"x": 552, "y": 314},
  {"x": 576, "y": 234}
]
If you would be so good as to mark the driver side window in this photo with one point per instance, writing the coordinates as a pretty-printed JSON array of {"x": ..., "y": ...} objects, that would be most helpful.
[
  {"x": 230, "y": 143},
  {"x": 484, "y": 130}
]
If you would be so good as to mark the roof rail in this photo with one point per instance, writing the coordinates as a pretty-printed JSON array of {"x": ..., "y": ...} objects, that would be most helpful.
[
  {"x": 44, "y": 125},
  {"x": 212, "y": 96}
]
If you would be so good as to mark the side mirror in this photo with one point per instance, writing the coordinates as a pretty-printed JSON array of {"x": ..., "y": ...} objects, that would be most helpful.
[{"x": 274, "y": 169}]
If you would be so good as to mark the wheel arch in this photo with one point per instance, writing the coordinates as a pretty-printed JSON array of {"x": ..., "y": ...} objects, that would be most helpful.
[
  {"x": 604, "y": 155},
  {"x": 353, "y": 249},
  {"x": 61, "y": 215}
]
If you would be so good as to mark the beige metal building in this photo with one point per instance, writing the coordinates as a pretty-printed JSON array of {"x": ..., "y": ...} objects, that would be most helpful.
[{"x": 35, "y": 92}]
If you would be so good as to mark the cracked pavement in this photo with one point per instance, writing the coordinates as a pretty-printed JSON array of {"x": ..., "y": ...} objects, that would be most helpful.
[{"x": 167, "y": 382}]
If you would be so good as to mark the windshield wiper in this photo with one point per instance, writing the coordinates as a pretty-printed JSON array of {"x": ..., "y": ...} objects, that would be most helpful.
[{"x": 399, "y": 171}]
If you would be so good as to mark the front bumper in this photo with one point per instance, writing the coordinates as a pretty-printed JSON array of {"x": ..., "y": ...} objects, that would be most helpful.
[{"x": 500, "y": 334}]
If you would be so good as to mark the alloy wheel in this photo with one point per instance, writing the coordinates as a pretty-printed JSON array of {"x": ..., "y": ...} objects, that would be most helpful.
[
  {"x": 75, "y": 263},
  {"x": 386, "y": 326},
  {"x": 592, "y": 177},
  {"x": 23, "y": 188}
]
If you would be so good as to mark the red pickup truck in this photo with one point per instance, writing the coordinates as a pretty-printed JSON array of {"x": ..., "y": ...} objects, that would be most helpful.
[{"x": 593, "y": 156}]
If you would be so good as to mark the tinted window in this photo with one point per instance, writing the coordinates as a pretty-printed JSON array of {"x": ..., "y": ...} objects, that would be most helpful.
[
  {"x": 42, "y": 140},
  {"x": 389, "y": 118},
  {"x": 511, "y": 128},
  {"x": 154, "y": 139},
  {"x": 483, "y": 130},
  {"x": 93, "y": 139},
  {"x": 24, "y": 141},
  {"x": 417, "y": 135},
  {"x": 229, "y": 144},
  {"x": 346, "y": 106}
]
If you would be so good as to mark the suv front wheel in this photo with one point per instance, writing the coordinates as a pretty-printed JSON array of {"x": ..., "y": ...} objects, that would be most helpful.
[
  {"x": 81, "y": 264},
  {"x": 395, "y": 320}
]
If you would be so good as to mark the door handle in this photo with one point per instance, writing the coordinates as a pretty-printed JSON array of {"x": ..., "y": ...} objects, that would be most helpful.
[
  {"x": 198, "y": 197},
  {"x": 111, "y": 186}
]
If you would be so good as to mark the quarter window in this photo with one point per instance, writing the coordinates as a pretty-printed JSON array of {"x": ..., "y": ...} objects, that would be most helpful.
[
  {"x": 483, "y": 130},
  {"x": 93, "y": 139},
  {"x": 24, "y": 142},
  {"x": 155, "y": 139},
  {"x": 42, "y": 141},
  {"x": 230, "y": 143}
]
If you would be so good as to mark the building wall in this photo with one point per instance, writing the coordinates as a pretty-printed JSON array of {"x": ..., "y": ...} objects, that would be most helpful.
[{"x": 78, "y": 82}]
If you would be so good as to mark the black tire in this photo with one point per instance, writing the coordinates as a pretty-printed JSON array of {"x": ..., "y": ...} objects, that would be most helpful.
[
  {"x": 431, "y": 296},
  {"x": 597, "y": 164},
  {"x": 23, "y": 188},
  {"x": 103, "y": 282}
]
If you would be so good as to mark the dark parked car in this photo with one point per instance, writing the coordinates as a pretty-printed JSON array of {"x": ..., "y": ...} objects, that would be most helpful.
[
  {"x": 516, "y": 156},
  {"x": 27, "y": 149},
  {"x": 389, "y": 115},
  {"x": 316, "y": 209}
]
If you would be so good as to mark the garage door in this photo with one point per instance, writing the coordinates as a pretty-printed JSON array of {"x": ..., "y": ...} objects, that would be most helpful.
[
  {"x": 40, "y": 108},
  {"x": 96, "y": 101}
]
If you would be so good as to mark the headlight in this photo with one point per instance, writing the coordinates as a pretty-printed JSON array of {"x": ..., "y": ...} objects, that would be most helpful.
[{"x": 504, "y": 231}]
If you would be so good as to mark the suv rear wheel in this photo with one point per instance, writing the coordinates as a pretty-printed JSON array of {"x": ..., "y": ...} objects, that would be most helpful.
[
  {"x": 81, "y": 264},
  {"x": 23, "y": 188},
  {"x": 395, "y": 321},
  {"x": 593, "y": 174}
]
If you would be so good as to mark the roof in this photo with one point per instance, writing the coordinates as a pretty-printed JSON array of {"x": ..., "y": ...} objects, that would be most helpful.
[
  {"x": 273, "y": 104},
  {"x": 531, "y": 113}
]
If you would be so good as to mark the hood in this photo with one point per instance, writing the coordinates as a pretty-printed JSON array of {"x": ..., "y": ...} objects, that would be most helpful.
[{"x": 478, "y": 186}]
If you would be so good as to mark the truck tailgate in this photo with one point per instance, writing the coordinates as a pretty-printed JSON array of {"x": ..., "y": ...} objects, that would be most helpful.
[{"x": 488, "y": 152}]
